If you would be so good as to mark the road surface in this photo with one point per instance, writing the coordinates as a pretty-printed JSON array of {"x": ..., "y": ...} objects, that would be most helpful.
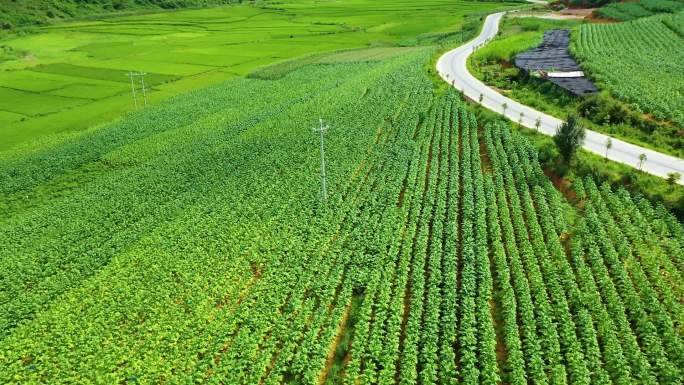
[{"x": 452, "y": 68}]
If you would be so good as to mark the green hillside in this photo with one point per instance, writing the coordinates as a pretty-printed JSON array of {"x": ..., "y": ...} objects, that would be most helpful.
[
  {"x": 204, "y": 231},
  {"x": 189, "y": 243},
  {"x": 636, "y": 62},
  {"x": 17, "y": 14},
  {"x": 72, "y": 76},
  {"x": 643, "y": 8}
]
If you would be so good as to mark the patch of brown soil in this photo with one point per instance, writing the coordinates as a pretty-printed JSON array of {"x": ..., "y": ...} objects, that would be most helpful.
[
  {"x": 578, "y": 11},
  {"x": 330, "y": 360},
  {"x": 501, "y": 352},
  {"x": 562, "y": 185},
  {"x": 484, "y": 156},
  {"x": 596, "y": 19},
  {"x": 400, "y": 201},
  {"x": 548, "y": 15}
]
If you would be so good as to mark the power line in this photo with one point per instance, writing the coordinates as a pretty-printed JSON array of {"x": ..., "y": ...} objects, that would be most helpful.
[{"x": 132, "y": 75}]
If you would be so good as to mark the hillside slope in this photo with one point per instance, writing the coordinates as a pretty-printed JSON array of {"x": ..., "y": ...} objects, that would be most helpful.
[
  {"x": 73, "y": 75},
  {"x": 635, "y": 61},
  {"x": 23, "y": 13},
  {"x": 636, "y": 10},
  {"x": 186, "y": 244}
]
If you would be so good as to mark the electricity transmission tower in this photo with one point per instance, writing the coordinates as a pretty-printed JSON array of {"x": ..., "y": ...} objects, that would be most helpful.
[
  {"x": 324, "y": 181},
  {"x": 142, "y": 83},
  {"x": 132, "y": 75},
  {"x": 135, "y": 99}
]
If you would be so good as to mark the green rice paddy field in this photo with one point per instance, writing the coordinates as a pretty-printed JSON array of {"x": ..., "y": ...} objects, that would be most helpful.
[{"x": 72, "y": 76}]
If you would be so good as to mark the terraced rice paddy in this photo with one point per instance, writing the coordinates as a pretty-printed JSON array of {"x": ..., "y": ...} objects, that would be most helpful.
[{"x": 69, "y": 77}]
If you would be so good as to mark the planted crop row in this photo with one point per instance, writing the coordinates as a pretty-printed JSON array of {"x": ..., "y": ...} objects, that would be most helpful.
[
  {"x": 636, "y": 60},
  {"x": 443, "y": 254}
]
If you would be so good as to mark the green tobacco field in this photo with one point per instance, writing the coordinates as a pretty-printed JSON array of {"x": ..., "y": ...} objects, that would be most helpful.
[
  {"x": 653, "y": 45},
  {"x": 68, "y": 77},
  {"x": 188, "y": 242}
]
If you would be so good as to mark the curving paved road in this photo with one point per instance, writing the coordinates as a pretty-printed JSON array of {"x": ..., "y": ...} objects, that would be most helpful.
[{"x": 452, "y": 68}]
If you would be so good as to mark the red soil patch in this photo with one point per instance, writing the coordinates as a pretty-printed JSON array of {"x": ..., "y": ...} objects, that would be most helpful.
[{"x": 562, "y": 185}]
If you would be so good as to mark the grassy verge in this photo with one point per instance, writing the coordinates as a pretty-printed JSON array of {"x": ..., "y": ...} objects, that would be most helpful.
[{"x": 468, "y": 31}]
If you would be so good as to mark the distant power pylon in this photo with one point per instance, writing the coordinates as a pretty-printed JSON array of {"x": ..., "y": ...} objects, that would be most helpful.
[
  {"x": 135, "y": 99},
  {"x": 132, "y": 75},
  {"x": 142, "y": 83},
  {"x": 324, "y": 182}
]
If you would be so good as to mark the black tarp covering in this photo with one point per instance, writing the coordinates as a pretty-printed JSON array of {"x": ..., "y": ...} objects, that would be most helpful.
[{"x": 553, "y": 55}]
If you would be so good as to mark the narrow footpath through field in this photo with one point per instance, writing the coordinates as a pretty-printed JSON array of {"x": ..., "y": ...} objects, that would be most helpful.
[{"x": 453, "y": 69}]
